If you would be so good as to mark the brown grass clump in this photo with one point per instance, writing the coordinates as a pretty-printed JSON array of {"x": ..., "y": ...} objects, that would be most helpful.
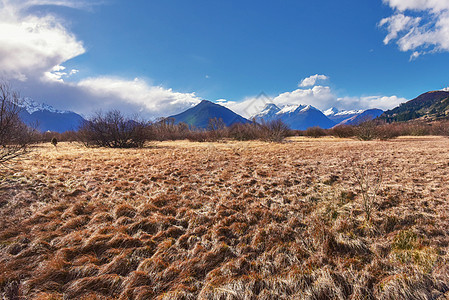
[
  {"x": 229, "y": 220},
  {"x": 108, "y": 285}
]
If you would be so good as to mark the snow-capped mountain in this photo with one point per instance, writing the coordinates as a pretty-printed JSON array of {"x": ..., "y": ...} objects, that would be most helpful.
[
  {"x": 331, "y": 112},
  {"x": 268, "y": 112},
  {"x": 362, "y": 116},
  {"x": 47, "y": 118},
  {"x": 298, "y": 117},
  {"x": 32, "y": 106},
  {"x": 199, "y": 115},
  {"x": 302, "y": 117},
  {"x": 339, "y": 116}
]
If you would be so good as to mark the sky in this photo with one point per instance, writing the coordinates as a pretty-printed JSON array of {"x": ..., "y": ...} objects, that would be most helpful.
[{"x": 156, "y": 58}]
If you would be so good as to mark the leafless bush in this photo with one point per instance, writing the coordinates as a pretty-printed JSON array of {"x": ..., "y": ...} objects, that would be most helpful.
[
  {"x": 275, "y": 131},
  {"x": 366, "y": 131},
  {"x": 245, "y": 132},
  {"x": 368, "y": 176},
  {"x": 315, "y": 132},
  {"x": 343, "y": 131},
  {"x": 113, "y": 130},
  {"x": 15, "y": 136},
  {"x": 418, "y": 129},
  {"x": 216, "y": 129},
  {"x": 441, "y": 128},
  {"x": 387, "y": 131}
]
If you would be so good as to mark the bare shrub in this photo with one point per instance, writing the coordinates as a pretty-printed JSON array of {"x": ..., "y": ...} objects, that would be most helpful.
[
  {"x": 15, "y": 136},
  {"x": 388, "y": 131},
  {"x": 368, "y": 176},
  {"x": 113, "y": 130},
  {"x": 245, "y": 132},
  {"x": 343, "y": 131},
  {"x": 275, "y": 131},
  {"x": 315, "y": 132},
  {"x": 165, "y": 129},
  {"x": 441, "y": 128},
  {"x": 366, "y": 131}
]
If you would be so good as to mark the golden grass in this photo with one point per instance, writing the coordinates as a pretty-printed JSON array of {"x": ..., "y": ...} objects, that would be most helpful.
[{"x": 228, "y": 220}]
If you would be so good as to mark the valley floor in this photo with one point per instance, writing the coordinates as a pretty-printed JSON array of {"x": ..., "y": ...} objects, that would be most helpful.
[{"x": 306, "y": 219}]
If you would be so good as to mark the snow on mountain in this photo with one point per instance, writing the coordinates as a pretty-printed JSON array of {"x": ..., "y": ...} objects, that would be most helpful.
[
  {"x": 363, "y": 116},
  {"x": 295, "y": 116},
  {"x": 287, "y": 109},
  {"x": 46, "y": 118},
  {"x": 309, "y": 107},
  {"x": 349, "y": 112},
  {"x": 31, "y": 106},
  {"x": 304, "y": 116},
  {"x": 268, "y": 111},
  {"x": 331, "y": 112}
]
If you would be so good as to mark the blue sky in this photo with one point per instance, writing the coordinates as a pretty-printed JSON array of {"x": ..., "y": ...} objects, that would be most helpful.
[{"x": 159, "y": 57}]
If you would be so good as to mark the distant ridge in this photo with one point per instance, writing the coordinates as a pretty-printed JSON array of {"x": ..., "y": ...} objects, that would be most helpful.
[
  {"x": 367, "y": 115},
  {"x": 297, "y": 117},
  {"x": 431, "y": 106},
  {"x": 199, "y": 115},
  {"x": 48, "y": 118}
]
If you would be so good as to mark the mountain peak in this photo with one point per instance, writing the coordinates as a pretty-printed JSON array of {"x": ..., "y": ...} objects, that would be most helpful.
[
  {"x": 430, "y": 105},
  {"x": 269, "y": 110},
  {"x": 199, "y": 115},
  {"x": 47, "y": 118},
  {"x": 331, "y": 111},
  {"x": 32, "y": 106}
]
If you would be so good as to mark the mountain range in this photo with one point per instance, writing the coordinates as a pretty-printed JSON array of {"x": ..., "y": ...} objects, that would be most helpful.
[
  {"x": 429, "y": 106},
  {"x": 355, "y": 117},
  {"x": 44, "y": 117},
  {"x": 298, "y": 117}
]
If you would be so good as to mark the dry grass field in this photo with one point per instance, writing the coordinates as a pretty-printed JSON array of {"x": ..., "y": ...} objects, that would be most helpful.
[{"x": 306, "y": 219}]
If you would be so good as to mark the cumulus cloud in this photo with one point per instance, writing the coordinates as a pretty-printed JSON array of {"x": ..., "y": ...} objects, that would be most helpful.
[
  {"x": 30, "y": 46},
  {"x": 381, "y": 102},
  {"x": 33, "y": 50},
  {"x": 321, "y": 97},
  {"x": 428, "y": 33},
  {"x": 312, "y": 80},
  {"x": 155, "y": 99}
]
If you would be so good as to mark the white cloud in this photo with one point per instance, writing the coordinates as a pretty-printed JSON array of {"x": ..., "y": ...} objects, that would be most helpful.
[
  {"x": 321, "y": 97},
  {"x": 154, "y": 100},
  {"x": 428, "y": 33},
  {"x": 32, "y": 46},
  {"x": 312, "y": 80},
  {"x": 33, "y": 50},
  {"x": 434, "y": 5},
  {"x": 381, "y": 102}
]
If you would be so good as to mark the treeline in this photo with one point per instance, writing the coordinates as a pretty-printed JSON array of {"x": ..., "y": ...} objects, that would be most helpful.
[
  {"x": 381, "y": 130},
  {"x": 114, "y": 130}
]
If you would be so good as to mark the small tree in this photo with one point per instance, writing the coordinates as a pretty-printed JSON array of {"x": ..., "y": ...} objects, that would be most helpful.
[
  {"x": 315, "y": 132},
  {"x": 275, "y": 131},
  {"x": 113, "y": 130},
  {"x": 216, "y": 129},
  {"x": 15, "y": 136},
  {"x": 366, "y": 131}
]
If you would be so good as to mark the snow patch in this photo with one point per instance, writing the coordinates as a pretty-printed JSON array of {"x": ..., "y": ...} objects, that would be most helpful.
[{"x": 32, "y": 106}]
